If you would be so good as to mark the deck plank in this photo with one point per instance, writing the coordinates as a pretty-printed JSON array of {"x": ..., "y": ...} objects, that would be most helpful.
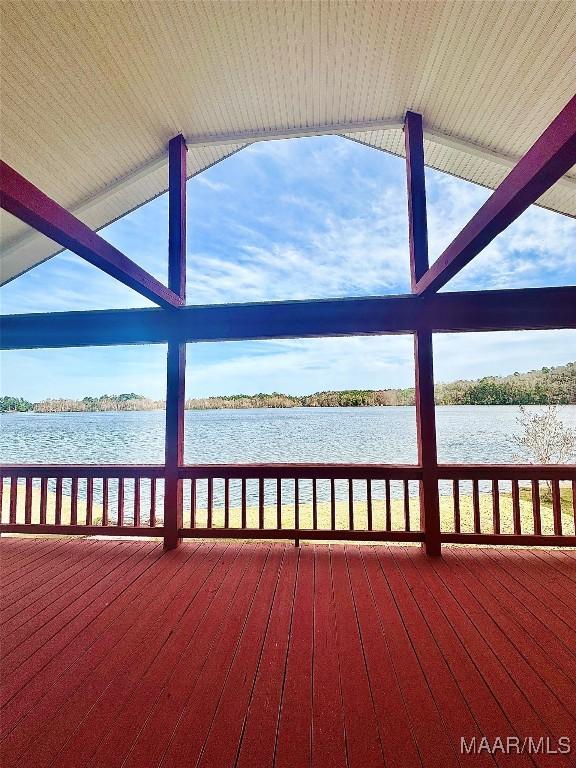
[
  {"x": 517, "y": 702},
  {"x": 55, "y": 584},
  {"x": 397, "y": 738},
  {"x": 187, "y": 740},
  {"x": 328, "y": 726},
  {"x": 119, "y": 654},
  {"x": 119, "y": 706},
  {"x": 363, "y": 746},
  {"x": 549, "y": 687},
  {"x": 294, "y": 734},
  {"x": 222, "y": 742},
  {"x": 50, "y": 691},
  {"x": 263, "y": 712},
  {"x": 494, "y": 593},
  {"x": 145, "y": 741}
]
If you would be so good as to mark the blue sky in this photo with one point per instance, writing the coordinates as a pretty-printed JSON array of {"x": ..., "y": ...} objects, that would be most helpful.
[{"x": 306, "y": 218}]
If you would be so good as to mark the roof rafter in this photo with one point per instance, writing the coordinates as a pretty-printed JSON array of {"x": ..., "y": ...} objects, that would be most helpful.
[
  {"x": 22, "y": 199},
  {"x": 549, "y": 158}
]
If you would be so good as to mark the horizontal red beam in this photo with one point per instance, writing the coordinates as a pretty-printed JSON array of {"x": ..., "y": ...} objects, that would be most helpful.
[
  {"x": 552, "y": 155},
  {"x": 83, "y": 530},
  {"x": 28, "y": 203},
  {"x": 507, "y": 539},
  {"x": 530, "y": 308}
]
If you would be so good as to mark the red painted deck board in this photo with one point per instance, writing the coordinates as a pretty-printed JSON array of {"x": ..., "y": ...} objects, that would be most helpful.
[{"x": 219, "y": 655}]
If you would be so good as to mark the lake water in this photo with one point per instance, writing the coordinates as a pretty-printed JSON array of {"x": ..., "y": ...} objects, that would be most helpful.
[
  {"x": 475, "y": 434},
  {"x": 466, "y": 434}
]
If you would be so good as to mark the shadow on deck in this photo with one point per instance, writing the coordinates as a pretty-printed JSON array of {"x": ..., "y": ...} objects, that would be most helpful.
[{"x": 116, "y": 653}]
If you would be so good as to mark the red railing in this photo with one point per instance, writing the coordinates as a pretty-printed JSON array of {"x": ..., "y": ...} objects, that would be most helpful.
[
  {"x": 82, "y": 499},
  {"x": 310, "y": 501},
  {"x": 481, "y": 504},
  {"x": 508, "y": 504}
]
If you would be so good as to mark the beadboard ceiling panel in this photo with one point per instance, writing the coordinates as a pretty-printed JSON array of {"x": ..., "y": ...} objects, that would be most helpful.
[{"x": 93, "y": 91}]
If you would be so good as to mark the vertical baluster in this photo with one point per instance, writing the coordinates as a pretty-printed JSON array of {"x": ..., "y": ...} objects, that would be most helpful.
[
  {"x": 278, "y": 503},
  {"x": 476, "y": 506},
  {"x": 210, "y": 502},
  {"x": 516, "y": 506},
  {"x": 574, "y": 503},
  {"x": 556, "y": 508},
  {"x": 227, "y": 502},
  {"x": 456, "y": 504},
  {"x": 74, "y": 501},
  {"x": 28, "y": 502},
  {"x": 58, "y": 502},
  {"x": 137, "y": 502},
  {"x": 388, "y": 505},
  {"x": 105, "y": 495},
  {"x": 120, "y": 519},
  {"x": 332, "y": 504},
  {"x": 369, "y": 502},
  {"x": 536, "y": 508},
  {"x": 13, "y": 498},
  {"x": 43, "y": 499},
  {"x": 496, "y": 506},
  {"x": 193, "y": 504},
  {"x": 261, "y": 503},
  {"x": 152, "y": 501},
  {"x": 296, "y": 509},
  {"x": 243, "y": 493},
  {"x": 351, "y": 505},
  {"x": 89, "y": 500},
  {"x": 314, "y": 505},
  {"x": 296, "y": 503},
  {"x": 406, "y": 491}
]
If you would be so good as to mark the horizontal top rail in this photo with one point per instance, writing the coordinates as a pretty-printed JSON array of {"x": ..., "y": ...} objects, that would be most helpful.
[
  {"x": 82, "y": 470},
  {"x": 304, "y": 471},
  {"x": 507, "y": 471}
]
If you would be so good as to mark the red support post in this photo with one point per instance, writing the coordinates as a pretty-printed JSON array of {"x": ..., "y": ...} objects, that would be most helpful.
[
  {"x": 423, "y": 353},
  {"x": 176, "y": 359}
]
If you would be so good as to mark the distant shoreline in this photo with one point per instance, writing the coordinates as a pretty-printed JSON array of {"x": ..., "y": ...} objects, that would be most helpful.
[
  {"x": 269, "y": 408},
  {"x": 542, "y": 387}
]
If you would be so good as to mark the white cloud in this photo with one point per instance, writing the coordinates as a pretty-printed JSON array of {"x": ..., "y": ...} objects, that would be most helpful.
[{"x": 215, "y": 186}]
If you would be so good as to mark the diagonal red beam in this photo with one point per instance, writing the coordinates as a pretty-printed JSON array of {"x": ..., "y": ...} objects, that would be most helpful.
[
  {"x": 28, "y": 203},
  {"x": 550, "y": 157}
]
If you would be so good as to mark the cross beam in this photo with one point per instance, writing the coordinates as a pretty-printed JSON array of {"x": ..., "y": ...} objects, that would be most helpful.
[
  {"x": 22, "y": 199},
  {"x": 549, "y": 158},
  {"x": 467, "y": 311}
]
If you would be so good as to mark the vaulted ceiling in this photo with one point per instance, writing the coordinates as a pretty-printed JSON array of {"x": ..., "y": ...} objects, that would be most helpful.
[{"x": 93, "y": 91}]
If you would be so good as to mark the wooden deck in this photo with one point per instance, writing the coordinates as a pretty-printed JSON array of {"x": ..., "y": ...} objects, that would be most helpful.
[{"x": 117, "y": 653}]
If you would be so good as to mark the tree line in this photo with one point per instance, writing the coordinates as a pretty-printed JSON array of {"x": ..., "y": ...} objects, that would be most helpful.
[{"x": 542, "y": 387}]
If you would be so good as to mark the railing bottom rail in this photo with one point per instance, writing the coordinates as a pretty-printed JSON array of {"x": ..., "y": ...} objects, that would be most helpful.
[
  {"x": 302, "y": 534},
  {"x": 82, "y": 530}
]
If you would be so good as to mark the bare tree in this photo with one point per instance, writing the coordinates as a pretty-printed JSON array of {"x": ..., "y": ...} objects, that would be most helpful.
[{"x": 544, "y": 439}]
